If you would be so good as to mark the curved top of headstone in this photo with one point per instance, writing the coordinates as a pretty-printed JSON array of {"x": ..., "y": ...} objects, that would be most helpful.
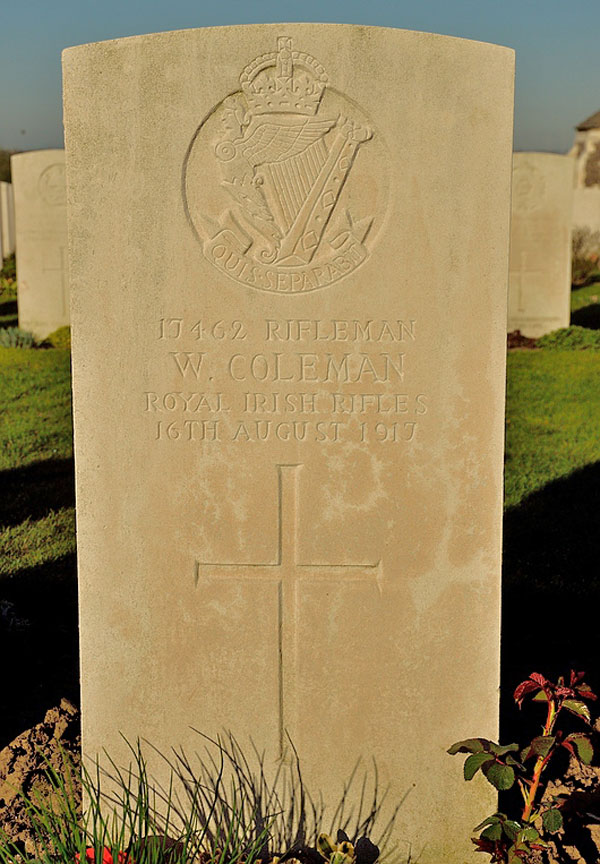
[
  {"x": 540, "y": 154},
  {"x": 37, "y": 154},
  {"x": 324, "y": 27}
]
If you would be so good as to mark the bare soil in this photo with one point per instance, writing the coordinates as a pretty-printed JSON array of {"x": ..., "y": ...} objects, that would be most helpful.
[
  {"x": 517, "y": 340},
  {"x": 24, "y": 764}
]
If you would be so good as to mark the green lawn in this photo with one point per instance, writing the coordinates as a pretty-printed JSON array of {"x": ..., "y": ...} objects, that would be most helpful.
[
  {"x": 585, "y": 306},
  {"x": 551, "y": 573},
  {"x": 8, "y": 294},
  {"x": 585, "y": 296},
  {"x": 553, "y": 418},
  {"x": 38, "y": 587}
]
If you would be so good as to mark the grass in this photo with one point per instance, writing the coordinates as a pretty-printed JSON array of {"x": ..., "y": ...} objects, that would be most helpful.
[
  {"x": 553, "y": 415},
  {"x": 585, "y": 295},
  {"x": 585, "y": 306},
  {"x": 8, "y": 294},
  {"x": 37, "y": 536},
  {"x": 221, "y": 806},
  {"x": 551, "y": 581}
]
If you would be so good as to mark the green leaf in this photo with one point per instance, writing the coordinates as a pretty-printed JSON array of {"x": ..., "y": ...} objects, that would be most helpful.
[
  {"x": 501, "y": 776},
  {"x": 540, "y": 697},
  {"x": 502, "y": 750},
  {"x": 469, "y": 745},
  {"x": 552, "y": 820},
  {"x": 511, "y": 829},
  {"x": 540, "y": 746},
  {"x": 474, "y": 762},
  {"x": 510, "y": 760},
  {"x": 492, "y": 832},
  {"x": 491, "y": 820},
  {"x": 583, "y": 745},
  {"x": 530, "y": 835},
  {"x": 577, "y": 707}
]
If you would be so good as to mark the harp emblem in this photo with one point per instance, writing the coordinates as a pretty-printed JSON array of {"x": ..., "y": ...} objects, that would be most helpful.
[{"x": 284, "y": 156}]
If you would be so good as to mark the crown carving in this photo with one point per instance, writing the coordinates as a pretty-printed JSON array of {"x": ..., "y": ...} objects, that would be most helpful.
[{"x": 284, "y": 81}]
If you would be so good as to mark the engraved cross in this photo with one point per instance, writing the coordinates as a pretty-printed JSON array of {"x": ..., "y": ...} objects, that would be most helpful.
[
  {"x": 62, "y": 269},
  {"x": 287, "y": 573},
  {"x": 520, "y": 277}
]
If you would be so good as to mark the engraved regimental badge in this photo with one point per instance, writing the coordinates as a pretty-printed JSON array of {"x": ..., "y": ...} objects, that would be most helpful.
[
  {"x": 528, "y": 188},
  {"x": 285, "y": 180}
]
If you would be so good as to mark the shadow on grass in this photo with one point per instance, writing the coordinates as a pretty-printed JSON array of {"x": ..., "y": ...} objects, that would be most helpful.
[
  {"x": 9, "y": 315},
  {"x": 587, "y": 316},
  {"x": 39, "y": 643},
  {"x": 589, "y": 280},
  {"x": 32, "y": 491},
  {"x": 551, "y": 593}
]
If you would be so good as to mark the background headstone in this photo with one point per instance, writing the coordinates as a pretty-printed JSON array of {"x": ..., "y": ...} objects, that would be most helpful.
[
  {"x": 586, "y": 208},
  {"x": 41, "y": 239},
  {"x": 540, "y": 243},
  {"x": 288, "y": 262},
  {"x": 7, "y": 219}
]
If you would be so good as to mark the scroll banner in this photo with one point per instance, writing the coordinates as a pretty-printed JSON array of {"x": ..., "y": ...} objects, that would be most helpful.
[{"x": 228, "y": 251}]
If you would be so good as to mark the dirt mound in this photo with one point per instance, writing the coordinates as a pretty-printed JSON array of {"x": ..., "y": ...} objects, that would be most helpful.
[
  {"x": 517, "y": 340},
  {"x": 579, "y": 790},
  {"x": 25, "y": 761}
]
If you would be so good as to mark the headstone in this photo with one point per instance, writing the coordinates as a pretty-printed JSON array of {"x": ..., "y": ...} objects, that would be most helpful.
[
  {"x": 289, "y": 247},
  {"x": 41, "y": 239},
  {"x": 7, "y": 219},
  {"x": 539, "y": 292}
]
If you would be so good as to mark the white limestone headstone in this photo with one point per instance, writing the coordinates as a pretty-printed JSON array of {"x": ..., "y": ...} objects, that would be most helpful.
[
  {"x": 539, "y": 293},
  {"x": 7, "y": 219},
  {"x": 288, "y": 266},
  {"x": 41, "y": 240}
]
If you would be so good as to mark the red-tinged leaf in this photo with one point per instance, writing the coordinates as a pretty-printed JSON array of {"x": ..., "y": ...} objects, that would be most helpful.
[
  {"x": 469, "y": 745},
  {"x": 583, "y": 746},
  {"x": 552, "y": 820},
  {"x": 499, "y": 775},
  {"x": 565, "y": 692},
  {"x": 586, "y": 692},
  {"x": 524, "y": 688},
  {"x": 539, "y": 679},
  {"x": 578, "y": 708},
  {"x": 474, "y": 762},
  {"x": 575, "y": 677}
]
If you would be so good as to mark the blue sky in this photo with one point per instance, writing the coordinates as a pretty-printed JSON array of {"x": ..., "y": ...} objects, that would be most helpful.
[{"x": 557, "y": 44}]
